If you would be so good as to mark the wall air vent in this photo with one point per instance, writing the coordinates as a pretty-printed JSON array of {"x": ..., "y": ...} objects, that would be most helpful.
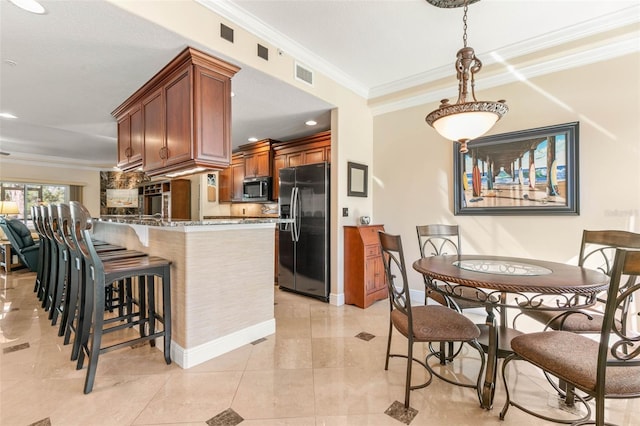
[
  {"x": 304, "y": 74},
  {"x": 263, "y": 52},
  {"x": 226, "y": 32}
]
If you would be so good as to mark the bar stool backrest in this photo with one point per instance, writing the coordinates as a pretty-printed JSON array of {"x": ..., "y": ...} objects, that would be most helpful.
[{"x": 81, "y": 234}]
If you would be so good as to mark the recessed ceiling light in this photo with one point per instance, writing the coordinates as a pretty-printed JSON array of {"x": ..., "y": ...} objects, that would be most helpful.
[
  {"x": 7, "y": 115},
  {"x": 30, "y": 6},
  {"x": 253, "y": 139},
  {"x": 311, "y": 123}
]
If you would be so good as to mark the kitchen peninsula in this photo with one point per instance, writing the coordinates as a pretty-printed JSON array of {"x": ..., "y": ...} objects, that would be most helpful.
[{"x": 221, "y": 279}]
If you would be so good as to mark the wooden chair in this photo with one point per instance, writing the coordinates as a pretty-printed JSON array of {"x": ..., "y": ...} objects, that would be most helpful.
[
  {"x": 99, "y": 275},
  {"x": 609, "y": 368},
  {"x": 427, "y": 323}
]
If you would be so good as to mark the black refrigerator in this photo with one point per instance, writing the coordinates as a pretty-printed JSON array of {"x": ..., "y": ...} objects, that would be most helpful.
[{"x": 303, "y": 244}]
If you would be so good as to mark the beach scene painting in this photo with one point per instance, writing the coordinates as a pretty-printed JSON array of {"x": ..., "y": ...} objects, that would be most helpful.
[{"x": 532, "y": 171}]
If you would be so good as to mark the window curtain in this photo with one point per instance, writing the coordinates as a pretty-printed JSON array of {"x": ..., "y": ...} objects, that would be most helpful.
[{"x": 75, "y": 193}]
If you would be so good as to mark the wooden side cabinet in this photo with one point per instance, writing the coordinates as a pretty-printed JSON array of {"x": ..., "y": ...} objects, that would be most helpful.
[{"x": 364, "y": 276}]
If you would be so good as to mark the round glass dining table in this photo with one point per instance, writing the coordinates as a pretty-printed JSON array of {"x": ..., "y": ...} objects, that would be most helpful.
[{"x": 509, "y": 282}]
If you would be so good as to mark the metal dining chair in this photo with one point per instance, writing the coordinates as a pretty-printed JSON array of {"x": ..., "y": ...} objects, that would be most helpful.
[
  {"x": 423, "y": 323},
  {"x": 608, "y": 368},
  {"x": 441, "y": 240},
  {"x": 597, "y": 250}
]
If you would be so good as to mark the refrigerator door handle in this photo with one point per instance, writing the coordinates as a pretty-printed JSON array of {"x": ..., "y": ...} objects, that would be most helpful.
[
  {"x": 294, "y": 213},
  {"x": 297, "y": 207}
]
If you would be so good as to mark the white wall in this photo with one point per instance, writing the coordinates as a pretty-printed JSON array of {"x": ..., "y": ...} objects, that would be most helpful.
[{"x": 413, "y": 164}]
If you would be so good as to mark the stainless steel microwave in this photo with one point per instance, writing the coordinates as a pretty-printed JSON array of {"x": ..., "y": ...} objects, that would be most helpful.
[{"x": 256, "y": 189}]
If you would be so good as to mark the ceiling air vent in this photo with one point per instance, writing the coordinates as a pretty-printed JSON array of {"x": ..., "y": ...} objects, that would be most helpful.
[
  {"x": 304, "y": 74},
  {"x": 226, "y": 32},
  {"x": 263, "y": 52}
]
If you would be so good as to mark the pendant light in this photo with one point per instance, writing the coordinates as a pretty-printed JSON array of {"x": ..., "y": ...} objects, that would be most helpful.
[{"x": 468, "y": 118}]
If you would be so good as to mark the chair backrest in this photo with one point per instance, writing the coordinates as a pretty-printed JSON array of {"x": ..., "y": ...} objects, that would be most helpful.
[
  {"x": 46, "y": 224},
  {"x": 397, "y": 283},
  {"x": 438, "y": 239},
  {"x": 17, "y": 233},
  {"x": 81, "y": 235},
  {"x": 622, "y": 344},
  {"x": 598, "y": 248}
]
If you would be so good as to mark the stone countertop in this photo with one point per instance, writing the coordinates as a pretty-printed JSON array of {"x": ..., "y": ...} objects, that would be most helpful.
[{"x": 151, "y": 221}]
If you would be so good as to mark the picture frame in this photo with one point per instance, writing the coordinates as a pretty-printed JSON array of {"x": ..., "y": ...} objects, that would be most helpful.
[
  {"x": 549, "y": 153},
  {"x": 357, "y": 179}
]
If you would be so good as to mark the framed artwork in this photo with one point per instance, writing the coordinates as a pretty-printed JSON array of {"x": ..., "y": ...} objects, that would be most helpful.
[
  {"x": 528, "y": 172},
  {"x": 357, "y": 177},
  {"x": 122, "y": 198}
]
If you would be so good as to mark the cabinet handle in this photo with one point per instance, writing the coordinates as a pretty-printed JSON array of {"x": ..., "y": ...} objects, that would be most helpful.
[
  {"x": 164, "y": 153},
  {"x": 128, "y": 152}
]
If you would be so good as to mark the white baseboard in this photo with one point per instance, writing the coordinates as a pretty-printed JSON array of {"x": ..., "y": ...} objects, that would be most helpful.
[
  {"x": 187, "y": 358},
  {"x": 336, "y": 299}
]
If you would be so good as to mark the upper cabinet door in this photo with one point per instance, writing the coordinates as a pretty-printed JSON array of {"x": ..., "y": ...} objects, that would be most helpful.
[
  {"x": 179, "y": 136},
  {"x": 212, "y": 118},
  {"x": 153, "y": 124},
  {"x": 130, "y": 139}
]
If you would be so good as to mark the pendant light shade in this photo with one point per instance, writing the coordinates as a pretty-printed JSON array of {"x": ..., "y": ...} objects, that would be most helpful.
[{"x": 465, "y": 120}]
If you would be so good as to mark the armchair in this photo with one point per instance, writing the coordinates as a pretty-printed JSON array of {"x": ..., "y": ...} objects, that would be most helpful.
[{"x": 21, "y": 242}]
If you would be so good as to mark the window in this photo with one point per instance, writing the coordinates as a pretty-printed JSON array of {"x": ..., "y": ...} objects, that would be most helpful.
[{"x": 30, "y": 194}]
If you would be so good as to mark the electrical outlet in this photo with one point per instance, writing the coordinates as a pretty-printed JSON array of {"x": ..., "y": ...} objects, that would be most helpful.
[{"x": 345, "y": 211}]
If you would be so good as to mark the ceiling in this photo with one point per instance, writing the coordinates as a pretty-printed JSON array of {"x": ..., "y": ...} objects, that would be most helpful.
[{"x": 63, "y": 73}]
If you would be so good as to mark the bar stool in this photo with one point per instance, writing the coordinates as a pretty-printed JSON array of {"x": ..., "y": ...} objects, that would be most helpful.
[
  {"x": 98, "y": 275},
  {"x": 51, "y": 260},
  {"x": 37, "y": 224},
  {"x": 72, "y": 296},
  {"x": 61, "y": 278}
]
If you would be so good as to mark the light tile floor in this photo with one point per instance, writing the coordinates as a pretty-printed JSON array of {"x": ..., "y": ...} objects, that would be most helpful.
[{"x": 314, "y": 371}]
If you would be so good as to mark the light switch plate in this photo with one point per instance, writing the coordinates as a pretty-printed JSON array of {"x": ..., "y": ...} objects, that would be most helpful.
[{"x": 345, "y": 211}]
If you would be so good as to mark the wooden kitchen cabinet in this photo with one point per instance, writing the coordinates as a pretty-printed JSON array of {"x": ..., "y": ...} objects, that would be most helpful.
[
  {"x": 186, "y": 115},
  {"x": 364, "y": 275},
  {"x": 130, "y": 135},
  {"x": 171, "y": 199},
  {"x": 297, "y": 152},
  {"x": 231, "y": 179},
  {"x": 257, "y": 158}
]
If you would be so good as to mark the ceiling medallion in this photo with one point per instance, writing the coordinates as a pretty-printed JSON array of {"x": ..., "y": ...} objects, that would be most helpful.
[{"x": 464, "y": 121}]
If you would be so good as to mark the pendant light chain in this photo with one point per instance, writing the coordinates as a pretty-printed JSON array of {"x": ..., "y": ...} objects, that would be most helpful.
[{"x": 464, "y": 24}]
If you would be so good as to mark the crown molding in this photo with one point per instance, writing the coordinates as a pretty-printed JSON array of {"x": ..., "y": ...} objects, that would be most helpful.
[
  {"x": 230, "y": 11},
  {"x": 513, "y": 74},
  {"x": 622, "y": 18}
]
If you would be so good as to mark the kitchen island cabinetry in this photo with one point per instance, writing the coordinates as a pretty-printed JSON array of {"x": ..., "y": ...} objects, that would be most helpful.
[
  {"x": 364, "y": 275},
  {"x": 221, "y": 293},
  {"x": 186, "y": 110}
]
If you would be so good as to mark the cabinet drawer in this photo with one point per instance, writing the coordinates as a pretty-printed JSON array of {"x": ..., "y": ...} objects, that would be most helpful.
[{"x": 372, "y": 250}]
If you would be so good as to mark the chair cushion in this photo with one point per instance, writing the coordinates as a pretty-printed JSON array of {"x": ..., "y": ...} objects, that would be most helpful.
[
  {"x": 434, "y": 323},
  {"x": 576, "y": 322},
  {"x": 21, "y": 232},
  {"x": 574, "y": 358}
]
